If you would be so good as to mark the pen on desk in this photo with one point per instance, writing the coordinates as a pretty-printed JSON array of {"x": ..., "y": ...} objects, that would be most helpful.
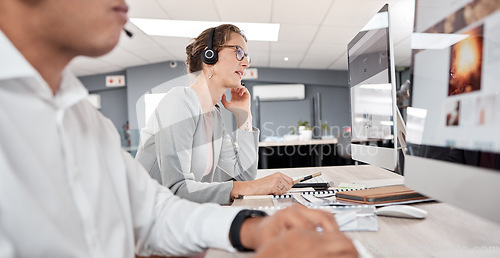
[{"x": 306, "y": 178}]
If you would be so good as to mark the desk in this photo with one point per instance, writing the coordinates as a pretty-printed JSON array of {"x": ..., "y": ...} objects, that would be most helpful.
[
  {"x": 446, "y": 230},
  {"x": 265, "y": 150}
]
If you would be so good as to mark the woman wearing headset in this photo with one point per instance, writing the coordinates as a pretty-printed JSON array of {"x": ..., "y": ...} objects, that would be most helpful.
[{"x": 185, "y": 146}]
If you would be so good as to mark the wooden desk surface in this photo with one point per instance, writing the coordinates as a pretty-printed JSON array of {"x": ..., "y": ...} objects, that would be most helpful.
[
  {"x": 446, "y": 232},
  {"x": 291, "y": 143}
]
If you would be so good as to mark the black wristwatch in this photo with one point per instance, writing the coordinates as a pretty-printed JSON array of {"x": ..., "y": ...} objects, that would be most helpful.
[{"x": 234, "y": 231}]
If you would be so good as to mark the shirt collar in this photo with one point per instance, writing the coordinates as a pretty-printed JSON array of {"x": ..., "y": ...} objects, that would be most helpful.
[
  {"x": 70, "y": 91},
  {"x": 13, "y": 65}
]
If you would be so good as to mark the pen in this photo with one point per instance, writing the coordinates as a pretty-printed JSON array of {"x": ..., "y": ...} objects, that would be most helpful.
[
  {"x": 316, "y": 186},
  {"x": 306, "y": 178}
]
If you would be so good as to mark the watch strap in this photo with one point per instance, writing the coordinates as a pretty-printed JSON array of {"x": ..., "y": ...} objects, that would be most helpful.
[{"x": 234, "y": 231}]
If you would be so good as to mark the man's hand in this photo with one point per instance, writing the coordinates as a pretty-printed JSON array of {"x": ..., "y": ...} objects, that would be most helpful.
[
  {"x": 308, "y": 243},
  {"x": 257, "y": 232}
]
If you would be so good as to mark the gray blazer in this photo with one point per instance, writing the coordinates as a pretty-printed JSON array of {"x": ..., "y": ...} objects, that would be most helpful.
[{"x": 173, "y": 150}]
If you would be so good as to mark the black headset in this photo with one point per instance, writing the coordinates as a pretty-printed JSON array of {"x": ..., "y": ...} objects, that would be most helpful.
[{"x": 209, "y": 55}]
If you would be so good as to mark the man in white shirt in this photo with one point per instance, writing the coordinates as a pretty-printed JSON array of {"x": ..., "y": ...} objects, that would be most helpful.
[{"x": 66, "y": 187}]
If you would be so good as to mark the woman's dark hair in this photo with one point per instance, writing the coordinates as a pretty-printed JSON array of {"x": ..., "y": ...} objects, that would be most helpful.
[{"x": 194, "y": 50}]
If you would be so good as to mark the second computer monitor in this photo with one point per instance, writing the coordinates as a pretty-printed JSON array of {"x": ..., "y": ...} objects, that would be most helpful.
[
  {"x": 372, "y": 88},
  {"x": 454, "y": 119}
]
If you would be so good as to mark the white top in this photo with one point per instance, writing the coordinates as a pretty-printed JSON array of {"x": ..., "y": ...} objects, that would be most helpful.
[
  {"x": 68, "y": 190},
  {"x": 209, "y": 132}
]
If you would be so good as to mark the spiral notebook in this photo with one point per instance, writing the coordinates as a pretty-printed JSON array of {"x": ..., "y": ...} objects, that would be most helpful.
[{"x": 325, "y": 192}]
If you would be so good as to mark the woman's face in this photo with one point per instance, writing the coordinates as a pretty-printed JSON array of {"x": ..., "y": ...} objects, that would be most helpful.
[{"x": 229, "y": 70}]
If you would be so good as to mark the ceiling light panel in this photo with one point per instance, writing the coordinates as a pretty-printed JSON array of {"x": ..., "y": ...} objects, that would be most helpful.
[{"x": 191, "y": 29}]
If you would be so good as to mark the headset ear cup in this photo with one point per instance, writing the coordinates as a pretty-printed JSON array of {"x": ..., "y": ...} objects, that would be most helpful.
[{"x": 209, "y": 56}]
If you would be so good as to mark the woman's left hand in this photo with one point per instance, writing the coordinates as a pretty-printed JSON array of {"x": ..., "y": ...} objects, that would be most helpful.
[
  {"x": 240, "y": 100},
  {"x": 239, "y": 105}
]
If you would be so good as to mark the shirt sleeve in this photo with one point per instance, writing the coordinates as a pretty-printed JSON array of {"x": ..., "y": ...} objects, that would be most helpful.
[
  {"x": 239, "y": 159},
  {"x": 165, "y": 224},
  {"x": 6, "y": 247}
]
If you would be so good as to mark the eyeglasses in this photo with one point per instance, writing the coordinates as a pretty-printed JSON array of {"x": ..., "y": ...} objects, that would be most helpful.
[{"x": 240, "y": 53}]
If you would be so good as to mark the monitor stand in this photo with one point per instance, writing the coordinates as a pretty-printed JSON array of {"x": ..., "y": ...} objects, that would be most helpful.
[{"x": 401, "y": 142}]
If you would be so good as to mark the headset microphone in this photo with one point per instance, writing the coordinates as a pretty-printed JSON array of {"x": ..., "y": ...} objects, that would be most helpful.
[
  {"x": 242, "y": 84},
  {"x": 129, "y": 34}
]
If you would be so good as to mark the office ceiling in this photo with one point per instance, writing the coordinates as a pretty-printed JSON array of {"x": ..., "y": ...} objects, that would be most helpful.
[{"x": 313, "y": 33}]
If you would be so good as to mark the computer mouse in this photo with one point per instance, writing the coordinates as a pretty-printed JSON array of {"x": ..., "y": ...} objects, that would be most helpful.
[{"x": 402, "y": 211}]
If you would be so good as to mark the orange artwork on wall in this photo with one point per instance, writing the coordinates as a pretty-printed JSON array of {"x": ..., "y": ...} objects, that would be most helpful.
[{"x": 466, "y": 63}]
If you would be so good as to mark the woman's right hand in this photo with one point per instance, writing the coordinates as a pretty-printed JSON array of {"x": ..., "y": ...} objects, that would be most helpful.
[{"x": 277, "y": 183}]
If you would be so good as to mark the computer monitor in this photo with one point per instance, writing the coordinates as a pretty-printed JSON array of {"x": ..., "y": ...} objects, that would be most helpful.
[
  {"x": 373, "y": 97},
  {"x": 453, "y": 124}
]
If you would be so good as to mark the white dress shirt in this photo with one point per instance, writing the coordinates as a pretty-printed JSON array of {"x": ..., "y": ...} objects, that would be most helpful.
[{"x": 68, "y": 190}]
